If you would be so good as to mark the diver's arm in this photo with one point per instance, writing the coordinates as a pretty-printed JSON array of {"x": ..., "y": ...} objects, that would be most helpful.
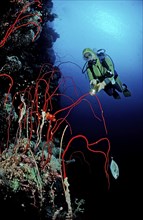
[
  {"x": 96, "y": 87},
  {"x": 105, "y": 82},
  {"x": 90, "y": 75},
  {"x": 101, "y": 86},
  {"x": 93, "y": 82}
]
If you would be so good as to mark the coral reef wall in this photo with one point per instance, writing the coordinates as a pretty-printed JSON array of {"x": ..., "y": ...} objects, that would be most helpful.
[{"x": 30, "y": 181}]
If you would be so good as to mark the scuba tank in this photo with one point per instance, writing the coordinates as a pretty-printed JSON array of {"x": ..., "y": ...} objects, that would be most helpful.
[
  {"x": 101, "y": 54},
  {"x": 105, "y": 59}
]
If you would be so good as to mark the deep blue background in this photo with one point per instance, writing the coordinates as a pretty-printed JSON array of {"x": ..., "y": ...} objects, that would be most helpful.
[{"x": 117, "y": 27}]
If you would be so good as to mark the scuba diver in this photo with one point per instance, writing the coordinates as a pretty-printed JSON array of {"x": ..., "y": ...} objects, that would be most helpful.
[{"x": 102, "y": 75}]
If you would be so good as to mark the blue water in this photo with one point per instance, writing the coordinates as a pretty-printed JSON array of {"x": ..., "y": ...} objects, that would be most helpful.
[{"x": 117, "y": 27}]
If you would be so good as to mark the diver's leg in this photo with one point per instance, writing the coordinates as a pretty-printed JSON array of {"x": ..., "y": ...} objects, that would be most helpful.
[
  {"x": 118, "y": 85},
  {"x": 108, "y": 89},
  {"x": 122, "y": 87},
  {"x": 111, "y": 91}
]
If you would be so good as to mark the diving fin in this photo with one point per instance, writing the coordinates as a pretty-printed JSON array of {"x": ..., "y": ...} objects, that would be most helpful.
[{"x": 126, "y": 92}]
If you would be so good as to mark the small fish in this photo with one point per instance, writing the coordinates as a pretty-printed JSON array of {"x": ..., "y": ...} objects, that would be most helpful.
[{"x": 114, "y": 169}]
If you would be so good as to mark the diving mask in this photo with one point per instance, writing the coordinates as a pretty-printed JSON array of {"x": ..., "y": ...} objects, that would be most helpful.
[{"x": 88, "y": 55}]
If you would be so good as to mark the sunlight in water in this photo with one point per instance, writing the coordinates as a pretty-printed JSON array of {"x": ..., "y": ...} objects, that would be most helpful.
[{"x": 109, "y": 24}]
